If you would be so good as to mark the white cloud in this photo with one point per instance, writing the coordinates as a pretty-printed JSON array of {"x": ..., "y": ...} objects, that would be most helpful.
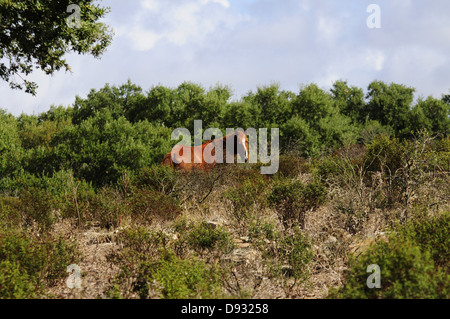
[
  {"x": 375, "y": 59},
  {"x": 177, "y": 22},
  {"x": 224, "y": 3},
  {"x": 151, "y": 5},
  {"x": 143, "y": 40},
  {"x": 329, "y": 28}
]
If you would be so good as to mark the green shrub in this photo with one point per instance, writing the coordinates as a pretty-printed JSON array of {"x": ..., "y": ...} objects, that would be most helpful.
[
  {"x": 327, "y": 167},
  {"x": 14, "y": 284},
  {"x": 442, "y": 151},
  {"x": 290, "y": 166},
  {"x": 296, "y": 250},
  {"x": 148, "y": 205},
  {"x": 431, "y": 234},
  {"x": 413, "y": 264},
  {"x": 175, "y": 278},
  {"x": 261, "y": 231},
  {"x": 384, "y": 155},
  {"x": 108, "y": 208},
  {"x": 140, "y": 243},
  {"x": 32, "y": 263},
  {"x": 246, "y": 195},
  {"x": 156, "y": 272},
  {"x": 159, "y": 177},
  {"x": 385, "y": 159},
  {"x": 289, "y": 256},
  {"x": 38, "y": 205},
  {"x": 292, "y": 199},
  {"x": 10, "y": 212},
  {"x": 208, "y": 237},
  {"x": 10, "y": 147}
]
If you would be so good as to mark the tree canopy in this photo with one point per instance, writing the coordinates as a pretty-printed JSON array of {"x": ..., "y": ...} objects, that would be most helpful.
[{"x": 37, "y": 35}]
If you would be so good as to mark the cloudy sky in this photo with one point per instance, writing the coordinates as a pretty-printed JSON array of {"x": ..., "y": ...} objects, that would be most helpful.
[{"x": 249, "y": 43}]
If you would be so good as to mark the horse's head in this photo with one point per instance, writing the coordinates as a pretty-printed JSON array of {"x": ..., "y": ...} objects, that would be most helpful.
[{"x": 241, "y": 146}]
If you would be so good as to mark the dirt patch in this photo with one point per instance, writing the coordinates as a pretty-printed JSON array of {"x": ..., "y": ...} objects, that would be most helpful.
[{"x": 96, "y": 270}]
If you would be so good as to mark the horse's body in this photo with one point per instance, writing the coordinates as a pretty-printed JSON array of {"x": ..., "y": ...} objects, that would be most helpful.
[{"x": 204, "y": 156}]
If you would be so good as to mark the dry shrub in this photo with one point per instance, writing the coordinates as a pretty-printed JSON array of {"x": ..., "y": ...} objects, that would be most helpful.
[
  {"x": 292, "y": 199},
  {"x": 148, "y": 205}
]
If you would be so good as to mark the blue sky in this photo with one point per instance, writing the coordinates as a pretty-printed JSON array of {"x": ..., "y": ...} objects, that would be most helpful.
[{"x": 249, "y": 43}]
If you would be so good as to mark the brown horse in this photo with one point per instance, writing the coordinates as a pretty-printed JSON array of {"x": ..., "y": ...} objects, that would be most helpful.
[{"x": 204, "y": 156}]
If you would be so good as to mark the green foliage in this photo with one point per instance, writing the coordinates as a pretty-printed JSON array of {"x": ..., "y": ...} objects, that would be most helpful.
[
  {"x": 371, "y": 129},
  {"x": 290, "y": 166},
  {"x": 269, "y": 105},
  {"x": 13, "y": 283},
  {"x": 336, "y": 131},
  {"x": 431, "y": 114},
  {"x": 10, "y": 146},
  {"x": 159, "y": 177},
  {"x": 177, "y": 278},
  {"x": 147, "y": 205},
  {"x": 297, "y": 136},
  {"x": 36, "y": 34},
  {"x": 313, "y": 104},
  {"x": 38, "y": 206},
  {"x": 119, "y": 130},
  {"x": 432, "y": 235},
  {"x": 102, "y": 148},
  {"x": 349, "y": 100},
  {"x": 117, "y": 101},
  {"x": 384, "y": 154},
  {"x": 140, "y": 241},
  {"x": 208, "y": 237},
  {"x": 413, "y": 263},
  {"x": 10, "y": 212},
  {"x": 247, "y": 194},
  {"x": 290, "y": 256},
  {"x": 390, "y": 105},
  {"x": 291, "y": 199},
  {"x": 29, "y": 265},
  {"x": 108, "y": 208},
  {"x": 157, "y": 271}
]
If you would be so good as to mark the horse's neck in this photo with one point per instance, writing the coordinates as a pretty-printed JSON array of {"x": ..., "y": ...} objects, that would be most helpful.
[{"x": 223, "y": 142}]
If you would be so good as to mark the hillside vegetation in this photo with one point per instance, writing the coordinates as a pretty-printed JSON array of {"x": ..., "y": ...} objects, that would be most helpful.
[{"x": 363, "y": 179}]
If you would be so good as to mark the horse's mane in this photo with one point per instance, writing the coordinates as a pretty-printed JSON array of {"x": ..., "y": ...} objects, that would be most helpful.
[{"x": 224, "y": 139}]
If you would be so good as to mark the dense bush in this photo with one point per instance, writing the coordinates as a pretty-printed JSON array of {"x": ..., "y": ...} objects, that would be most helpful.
[
  {"x": 291, "y": 255},
  {"x": 29, "y": 265},
  {"x": 150, "y": 205},
  {"x": 10, "y": 147},
  {"x": 159, "y": 177},
  {"x": 246, "y": 195},
  {"x": 176, "y": 278},
  {"x": 205, "y": 236},
  {"x": 413, "y": 263},
  {"x": 292, "y": 199},
  {"x": 291, "y": 166},
  {"x": 156, "y": 271}
]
